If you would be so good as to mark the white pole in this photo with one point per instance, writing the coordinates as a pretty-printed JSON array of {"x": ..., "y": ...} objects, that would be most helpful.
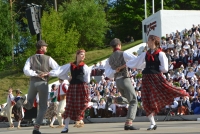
[
  {"x": 145, "y": 8},
  {"x": 55, "y": 4},
  {"x": 152, "y": 6},
  {"x": 161, "y": 4}
]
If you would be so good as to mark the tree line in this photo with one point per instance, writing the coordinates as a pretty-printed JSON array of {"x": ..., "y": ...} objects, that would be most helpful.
[{"x": 88, "y": 24}]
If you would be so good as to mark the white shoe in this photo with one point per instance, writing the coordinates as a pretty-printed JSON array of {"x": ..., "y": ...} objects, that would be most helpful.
[{"x": 12, "y": 127}]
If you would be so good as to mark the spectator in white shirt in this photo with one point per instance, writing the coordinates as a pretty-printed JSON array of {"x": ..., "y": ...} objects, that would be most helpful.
[
  {"x": 101, "y": 108},
  {"x": 174, "y": 105},
  {"x": 102, "y": 81},
  {"x": 101, "y": 68},
  {"x": 190, "y": 74},
  {"x": 186, "y": 46},
  {"x": 189, "y": 41},
  {"x": 7, "y": 111},
  {"x": 170, "y": 45},
  {"x": 164, "y": 45}
]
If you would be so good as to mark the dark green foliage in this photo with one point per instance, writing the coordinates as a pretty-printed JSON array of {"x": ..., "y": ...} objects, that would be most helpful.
[{"x": 90, "y": 20}]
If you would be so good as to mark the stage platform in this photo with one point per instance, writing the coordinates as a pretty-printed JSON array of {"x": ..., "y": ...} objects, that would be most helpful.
[
  {"x": 167, "y": 127},
  {"x": 122, "y": 119}
]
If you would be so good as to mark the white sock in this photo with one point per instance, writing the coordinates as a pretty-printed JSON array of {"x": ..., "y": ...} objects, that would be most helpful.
[
  {"x": 81, "y": 121},
  {"x": 151, "y": 119},
  {"x": 19, "y": 123},
  {"x": 52, "y": 121},
  {"x": 66, "y": 124},
  {"x": 62, "y": 121}
]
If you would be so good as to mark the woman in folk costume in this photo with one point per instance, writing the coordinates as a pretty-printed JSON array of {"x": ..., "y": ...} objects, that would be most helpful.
[
  {"x": 52, "y": 109},
  {"x": 156, "y": 91},
  {"x": 77, "y": 96},
  {"x": 18, "y": 111}
]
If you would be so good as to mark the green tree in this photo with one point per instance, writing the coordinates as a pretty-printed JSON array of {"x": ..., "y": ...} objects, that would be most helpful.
[
  {"x": 90, "y": 20},
  {"x": 125, "y": 18},
  {"x": 9, "y": 35},
  {"x": 62, "y": 41}
]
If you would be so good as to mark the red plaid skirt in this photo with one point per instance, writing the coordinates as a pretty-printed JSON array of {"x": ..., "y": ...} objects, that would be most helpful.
[
  {"x": 76, "y": 101},
  {"x": 157, "y": 93}
]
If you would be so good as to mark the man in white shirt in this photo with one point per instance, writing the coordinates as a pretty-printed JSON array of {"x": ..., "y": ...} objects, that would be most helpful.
[
  {"x": 123, "y": 81},
  {"x": 37, "y": 67}
]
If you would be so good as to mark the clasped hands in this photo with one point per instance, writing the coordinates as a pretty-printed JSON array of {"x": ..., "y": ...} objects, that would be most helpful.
[
  {"x": 119, "y": 68},
  {"x": 42, "y": 75}
]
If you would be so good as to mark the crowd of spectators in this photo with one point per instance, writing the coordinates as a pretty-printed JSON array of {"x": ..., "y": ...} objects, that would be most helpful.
[{"x": 183, "y": 52}]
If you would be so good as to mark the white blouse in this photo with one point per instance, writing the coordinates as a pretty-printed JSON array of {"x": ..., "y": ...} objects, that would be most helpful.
[
  {"x": 62, "y": 72},
  {"x": 140, "y": 63}
]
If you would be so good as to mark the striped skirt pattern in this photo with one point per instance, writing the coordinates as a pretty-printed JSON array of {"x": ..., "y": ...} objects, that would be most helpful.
[
  {"x": 76, "y": 101},
  {"x": 157, "y": 93}
]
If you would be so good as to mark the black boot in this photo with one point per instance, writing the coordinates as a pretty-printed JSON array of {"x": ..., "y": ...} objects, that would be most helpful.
[
  {"x": 131, "y": 128},
  {"x": 153, "y": 128},
  {"x": 66, "y": 131},
  {"x": 36, "y": 132}
]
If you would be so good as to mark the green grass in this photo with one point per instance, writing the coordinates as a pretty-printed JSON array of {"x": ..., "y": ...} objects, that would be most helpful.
[{"x": 17, "y": 80}]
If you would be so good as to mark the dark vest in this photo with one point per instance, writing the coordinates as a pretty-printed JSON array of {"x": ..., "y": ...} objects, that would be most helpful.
[
  {"x": 40, "y": 64},
  {"x": 152, "y": 67},
  {"x": 77, "y": 75}
]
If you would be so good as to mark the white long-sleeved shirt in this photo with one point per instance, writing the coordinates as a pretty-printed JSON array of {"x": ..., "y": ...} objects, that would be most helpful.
[
  {"x": 29, "y": 72},
  {"x": 140, "y": 63},
  {"x": 10, "y": 98},
  {"x": 109, "y": 72},
  {"x": 62, "y": 72}
]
